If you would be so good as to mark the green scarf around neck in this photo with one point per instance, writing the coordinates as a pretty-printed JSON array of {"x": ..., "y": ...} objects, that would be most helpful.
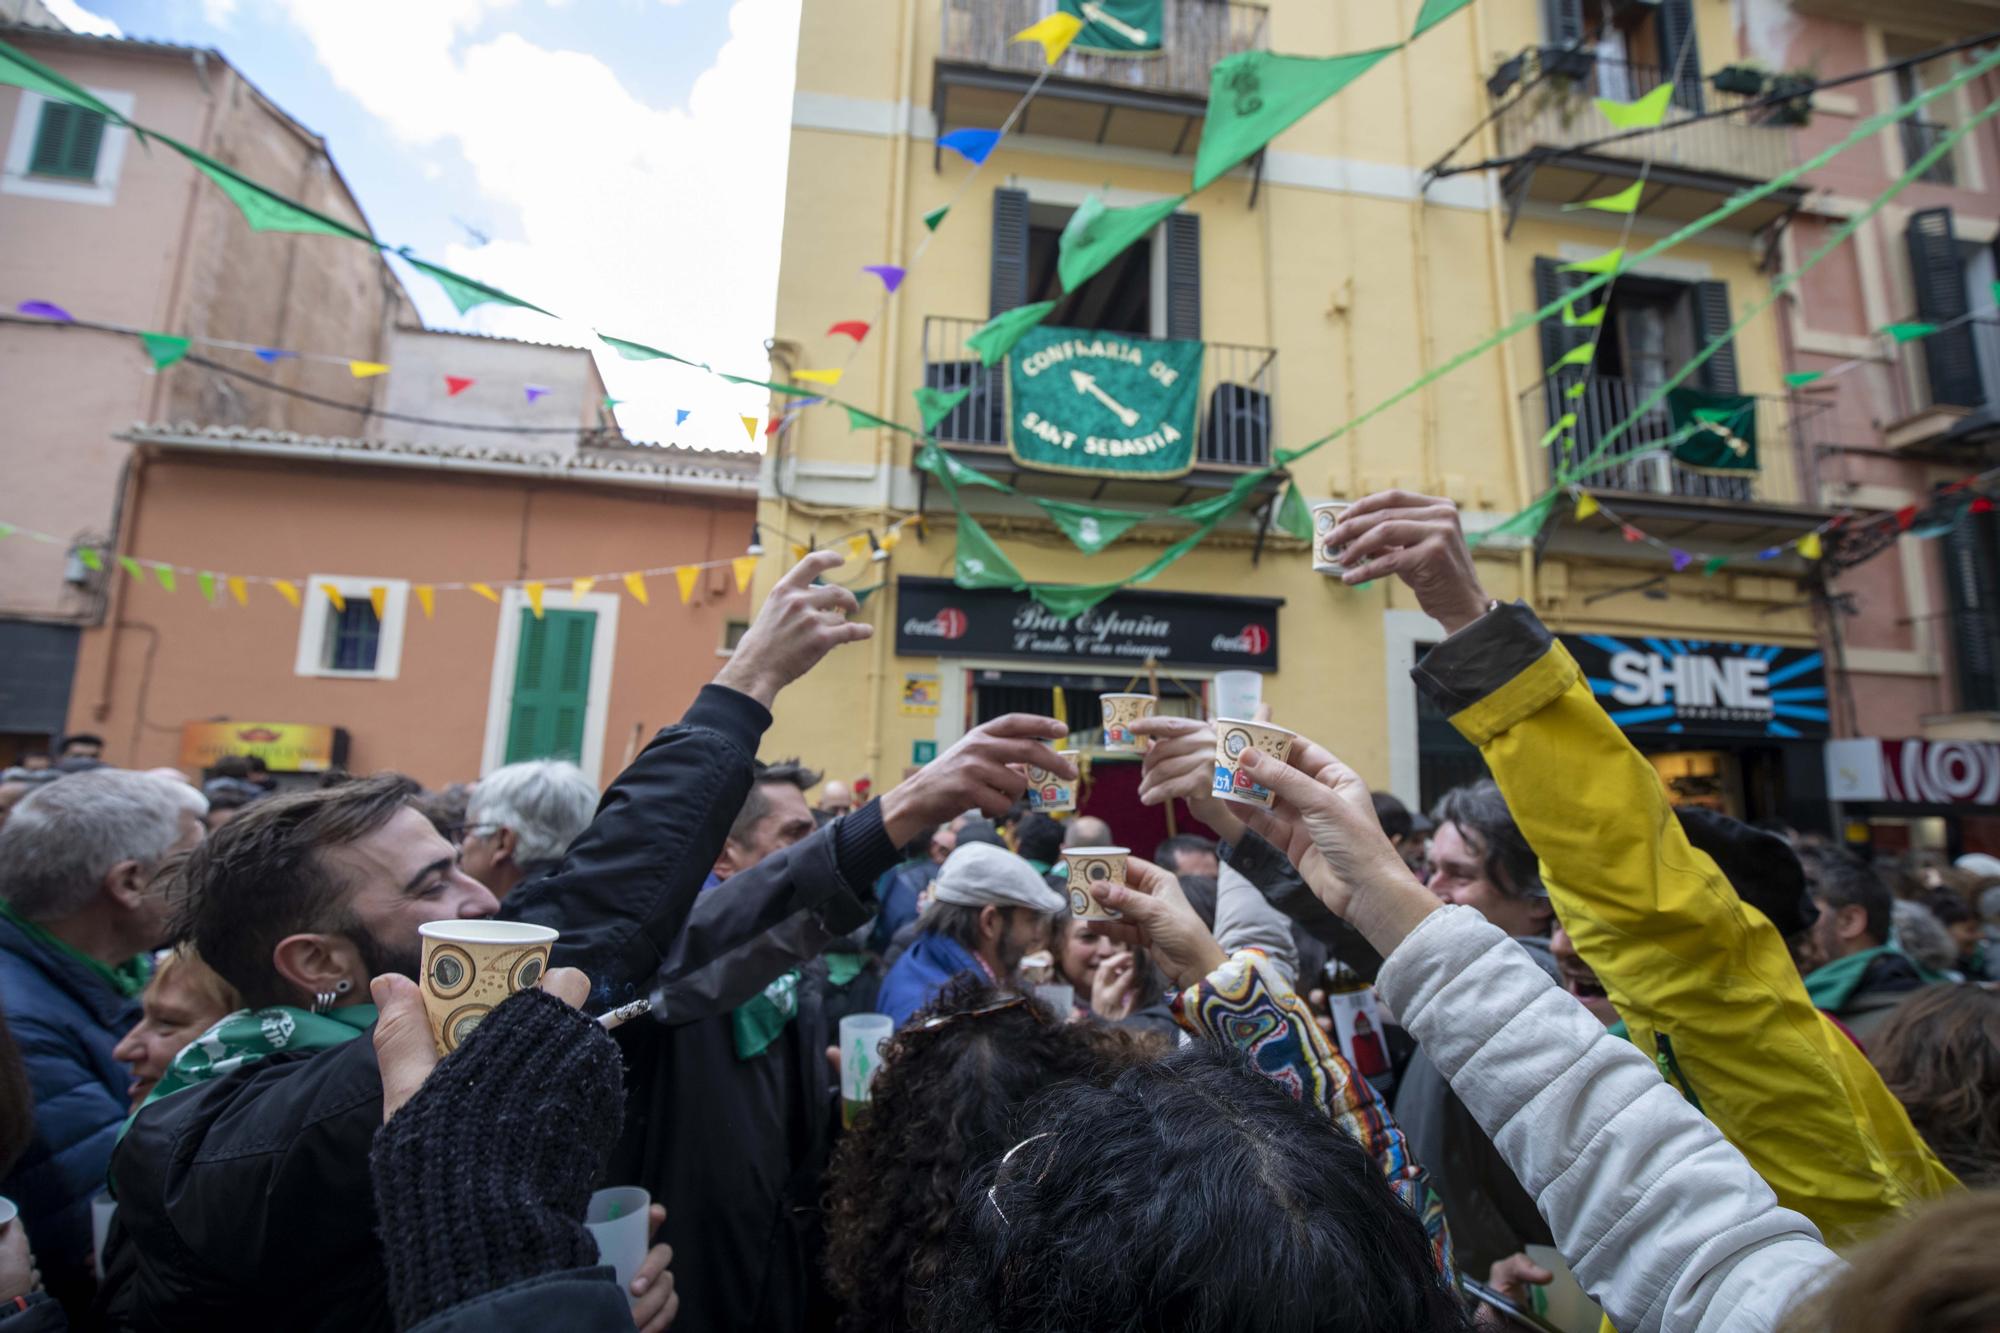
[
  {"x": 248, "y": 1035},
  {"x": 127, "y": 978}
]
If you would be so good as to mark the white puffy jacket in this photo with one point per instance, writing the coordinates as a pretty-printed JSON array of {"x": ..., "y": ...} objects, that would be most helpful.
[{"x": 1663, "y": 1222}]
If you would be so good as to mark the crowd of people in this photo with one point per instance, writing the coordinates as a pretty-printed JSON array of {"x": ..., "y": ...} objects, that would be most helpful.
[{"x": 1333, "y": 1065}]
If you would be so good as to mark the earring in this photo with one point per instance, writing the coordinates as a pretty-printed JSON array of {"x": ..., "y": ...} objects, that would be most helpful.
[
  {"x": 323, "y": 1001},
  {"x": 343, "y": 986}
]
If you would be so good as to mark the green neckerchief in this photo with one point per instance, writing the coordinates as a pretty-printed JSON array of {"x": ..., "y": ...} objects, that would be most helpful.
[
  {"x": 1041, "y": 868},
  {"x": 757, "y": 1022},
  {"x": 248, "y": 1035},
  {"x": 1833, "y": 986},
  {"x": 128, "y": 978}
]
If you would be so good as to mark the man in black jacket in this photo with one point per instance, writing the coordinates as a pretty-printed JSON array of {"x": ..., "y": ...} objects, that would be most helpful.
[{"x": 245, "y": 1200}]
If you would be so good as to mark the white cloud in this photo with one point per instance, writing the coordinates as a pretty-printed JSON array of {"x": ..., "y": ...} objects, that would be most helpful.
[
  {"x": 218, "y": 12},
  {"x": 78, "y": 19},
  {"x": 657, "y": 225}
]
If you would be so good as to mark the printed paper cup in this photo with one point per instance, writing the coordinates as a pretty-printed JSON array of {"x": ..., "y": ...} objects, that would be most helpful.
[
  {"x": 1232, "y": 738},
  {"x": 1120, "y": 712},
  {"x": 1326, "y": 556},
  {"x": 1049, "y": 792},
  {"x": 470, "y": 966},
  {"x": 1091, "y": 869}
]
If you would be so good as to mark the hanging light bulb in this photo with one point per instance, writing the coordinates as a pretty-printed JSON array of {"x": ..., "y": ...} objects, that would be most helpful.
[
  {"x": 875, "y": 551},
  {"x": 756, "y": 546}
]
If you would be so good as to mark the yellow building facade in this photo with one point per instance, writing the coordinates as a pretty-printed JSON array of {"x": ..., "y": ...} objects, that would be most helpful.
[{"x": 1326, "y": 274}]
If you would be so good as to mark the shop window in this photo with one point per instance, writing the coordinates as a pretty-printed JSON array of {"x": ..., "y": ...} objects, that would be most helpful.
[
  {"x": 67, "y": 140},
  {"x": 345, "y": 635}
]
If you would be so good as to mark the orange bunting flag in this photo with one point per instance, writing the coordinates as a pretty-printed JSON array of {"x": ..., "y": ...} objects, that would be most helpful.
[
  {"x": 378, "y": 597},
  {"x": 484, "y": 591},
  {"x": 685, "y": 575},
  {"x": 363, "y": 370},
  {"x": 287, "y": 590},
  {"x": 1586, "y": 504},
  {"x": 333, "y": 595},
  {"x": 745, "y": 566},
  {"x": 237, "y": 590},
  {"x": 750, "y": 428},
  {"x": 635, "y": 583},
  {"x": 426, "y": 598},
  {"x": 534, "y": 591},
  {"x": 1810, "y": 547},
  {"x": 578, "y": 587}
]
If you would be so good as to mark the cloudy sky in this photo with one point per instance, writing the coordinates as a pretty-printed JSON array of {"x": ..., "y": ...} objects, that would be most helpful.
[{"x": 620, "y": 162}]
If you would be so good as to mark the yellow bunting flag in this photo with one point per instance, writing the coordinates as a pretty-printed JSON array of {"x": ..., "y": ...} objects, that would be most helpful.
[
  {"x": 745, "y": 566},
  {"x": 287, "y": 590},
  {"x": 685, "y": 575},
  {"x": 1625, "y": 201},
  {"x": 237, "y": 590},
  {"x": 798, "y": 552},
  {"x": 484, "y": 591},
  {"x": 364, "y": 370},
  {"x": 890, "y": 536},
  {"x": 857, "y": 546},
  {"x": 1643, "y": 114},
  {"x": 1809, "y": 546},
  {"x": 817, "y": 376},
  {"x": 1605, "y": 263},
  {"x": 1588, "y": 320},
  {"x": 378, "y": 597},
  {"x": 426, "y": 598},
  {"x": 333, "y": 595},
  {"x": 534, "y": 591},
  {"x": 1586, "y": 504},
  {"x": 635, "y": 583},
  {"x": 750, "y": 428},
  {"x": 1055, "y": 33},
  {"x": 578, "y": 587}
]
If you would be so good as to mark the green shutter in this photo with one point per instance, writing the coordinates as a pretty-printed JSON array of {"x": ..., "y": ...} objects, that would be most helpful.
[
  {"x": 66, "y": 142},
  {"x": 551, "y": 686}
]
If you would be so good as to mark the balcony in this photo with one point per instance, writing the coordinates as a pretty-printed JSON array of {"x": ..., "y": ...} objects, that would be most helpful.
[
  {"x": 1940, "y": 20},
  {"x": 1235, "y": 432},
  {"x": 1919, "y": 138},
  {"x": 1694, "y": 168},
  {"x": 1157, "y": 102}
]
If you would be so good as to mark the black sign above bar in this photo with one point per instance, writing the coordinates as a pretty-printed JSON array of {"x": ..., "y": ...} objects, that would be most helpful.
[
  {"x": 1655, "y": 685},
  {"x": 937, "y": 618}
]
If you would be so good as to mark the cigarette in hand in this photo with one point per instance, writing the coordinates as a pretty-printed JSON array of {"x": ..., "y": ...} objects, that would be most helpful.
[{"x": 623, "y": 1014}]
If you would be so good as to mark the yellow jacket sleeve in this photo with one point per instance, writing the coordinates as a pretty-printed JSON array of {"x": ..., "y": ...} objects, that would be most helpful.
[{"x": 1705, "y": 984}]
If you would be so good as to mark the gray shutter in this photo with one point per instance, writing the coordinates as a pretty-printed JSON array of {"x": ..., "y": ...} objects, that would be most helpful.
[
  {"x": 1951, "y": 356},
  {"x": 1971, "y": 551},
  {"x": 1562, "y": 20},
  {"x": 1676, "y": 31},
  {"x": 1711, "y": 320},
  {"x": 1557, "y": 337},
  {"x": 1010, "y": 250},
  {"x": 1184, "y": 276}
]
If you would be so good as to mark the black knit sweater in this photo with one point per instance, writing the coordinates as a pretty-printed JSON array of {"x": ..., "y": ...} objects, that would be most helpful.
[{"x": 481, "y": 1178}]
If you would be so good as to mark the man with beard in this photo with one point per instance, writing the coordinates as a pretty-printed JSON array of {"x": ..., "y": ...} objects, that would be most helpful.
[{"x": 988, "y": 909}]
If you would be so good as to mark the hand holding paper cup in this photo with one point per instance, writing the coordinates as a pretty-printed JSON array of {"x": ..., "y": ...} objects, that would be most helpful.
[
  {"x": 1092, "y": 868},
  {"x": 1233, "y": 738},
  {"x": 472, "y": 965},
  {"x": 1326, "y": 556},
  {"x": 1050, "y": 792},
  {"x": 1120, "y": 712}
]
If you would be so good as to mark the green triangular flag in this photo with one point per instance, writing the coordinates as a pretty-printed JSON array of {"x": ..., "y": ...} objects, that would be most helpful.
[
  {"x": 632, "y": 351},
  {"x": 1294, "y": 514},
  {"x": 859, "y": 420},
  {"x": 1254, "y": 96},
  {"x": 265, "y": 209},
  {"x": 6, "y": 530},
  {"x": 1909, "y": 330},
  {"x": 24, "y": 71},
  {"x": 1215, "y": 508},
  {"x": 465, "y": 292},
  {"x": 1575, "y": 390},
  {"x": 997, "y": 336},
  {"x": 1067, "y": 601},
  {"x": 1563, "y": 423},
  {"x": 1091, "y": 528},
  {"x": 1798, "y": 379},
  {"x": 1605, "y": 263},
  {"x": 1643, "y": 114},
  {"x": 954, "y": 473},
  {"x": 165, "y": 574},
  {"x": 1713, "y": 563},
  {"x": 795, "y": 390},
  {"x": 131, "y": 567},
  {"x": 935, "y": 216},
  {"x": 610, "y": 402},
  {"x": 1096, "y": 235},
  {"x": 1435, "y": 12},
  {"x": 90, "y": 557},
  {"x": 206, "y": 582},
  {"x": 1576, "y": 356},
  {"x": 936, "y": 404},
  {"x": 1526, "y": 523},
  {"x": 979, "y": 563},
  {"x": 1572, "y": 320},
  {"x": 861, "y": 595},
  {"x": 1625, "y": 201},
  {"x": 165, "y": 348}
]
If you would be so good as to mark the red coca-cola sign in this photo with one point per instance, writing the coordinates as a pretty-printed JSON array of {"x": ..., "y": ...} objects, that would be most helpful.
[
  {"x": 948, "y": 623},
  {"x": 1252, "y": 640}
]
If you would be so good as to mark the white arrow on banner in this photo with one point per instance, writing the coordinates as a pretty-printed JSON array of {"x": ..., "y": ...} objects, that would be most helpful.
[
  {"x": 1136, "y": 36},
  {"x": 1087, "y": 383}
]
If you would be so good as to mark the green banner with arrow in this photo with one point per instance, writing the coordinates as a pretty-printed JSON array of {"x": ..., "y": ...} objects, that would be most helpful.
[
  {"x": 1103, "y": 404},
  {"x": 1117, "y": 27}
]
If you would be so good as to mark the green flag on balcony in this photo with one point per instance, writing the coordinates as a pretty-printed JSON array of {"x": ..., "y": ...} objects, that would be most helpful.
[
  {"x": 997, "y": 336},
  {"x": 1103, "y": 404},
  {"x": 1117, "y": 27},
  {"x": 1096, "y": 235},
  {"x": 1254, "y": 96},
  {"x": 1713, "y": 432}
]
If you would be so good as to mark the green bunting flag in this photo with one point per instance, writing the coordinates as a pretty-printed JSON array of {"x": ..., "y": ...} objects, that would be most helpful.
[
  {"x": 997, "y": 336},
  {"x": 1435, "y": 12},
  {"x": 1713, "y": 432},
  {"x": 465, "y": 293},
  {"x": 632, "y": 351},
  {"x": 1096, "y": 235},
  {"x": 1605, "y": 263},
  {"x": 859, "y": 420},
  {"x": 264, "y": 209},
  {"x": 131, "y": 567},
  {"x": 1798, "y": 379},
  {"x": 979, "y": 563},
  {"x": 1294, "y": 514},
  {"x": 206, "y": 582},
  {"x": 24, "y": 71},
  {"x": 1589, "y": 320},
  {"x": 935, "y": 216},
  {"x": 936, "y": 404},
  {"x": 1091, "y": 528},
  {"x": 165, "y": 348},
  {"x": 1254, "y": 96},
  {"x": 1909, "y": 331},
  {"x": 1625, "y": 201},
  {"x": 1576, "y": 390},
  {"x": 1563, "y": 423},
  {"x": 954, "y": 473},
  {"x": 165, "y": 574},
  {"x": 1642, "y": 114},
  {"x": 794, "y": 390},
  {"x": 1576, "y": 356},
  {"x": 90, "y": 557},
  {"x": 1712, "y": 564}
]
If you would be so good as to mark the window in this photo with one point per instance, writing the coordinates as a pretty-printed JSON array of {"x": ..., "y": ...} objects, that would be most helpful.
[
  {"x": 1636, "y": 47},
  {"x": 732, "y": 634},
  {"x": 1119, "y": 299},
  {"x": 65, "y": 152},
  {"x": 551, "y": 685},
  {"x": 1940, "y": 270},
  {"x": 1921, "y": 132},
  {"x": 353, "y": 638},
  {"x": 1971, "y": 554},
  {"x": 67, "y": 141},
  {"x": 341, "y": 634}
]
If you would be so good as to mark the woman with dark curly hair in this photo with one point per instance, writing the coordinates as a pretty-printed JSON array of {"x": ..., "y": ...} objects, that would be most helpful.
[
  {"x": 1940, "y": 1054},
  {"x": 942, "y": 1107}
]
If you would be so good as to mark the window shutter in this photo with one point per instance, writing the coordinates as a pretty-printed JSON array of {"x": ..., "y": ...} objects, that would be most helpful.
[
  {"x": 1563, "y": 21},
  {"x": 1971, "y": 551},
  {"x": 1676, "y": 31},
  {"x": 66, "y": 142},
  {"x": 1951, "y": 357},
  {"x": 572, "y": 693},
  {"x": 1557, "y": 337},
  {"x": 1010, "y": 250},
  {"x": 551, "y": 686},
  {"x": 1711, "y": 321},
  {"x": 1184, "y": 276}
]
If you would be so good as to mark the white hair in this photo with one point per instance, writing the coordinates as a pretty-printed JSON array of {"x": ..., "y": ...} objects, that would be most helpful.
[
  {"x": 63, "y": 838},
  {"x": 1922, "y": 936},
  {"x": 547, "y": 802}
]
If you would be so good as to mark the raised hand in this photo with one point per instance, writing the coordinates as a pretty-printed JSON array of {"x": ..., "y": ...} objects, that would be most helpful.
[
  {"x": 1158, "y": 916},
  {"x": 1181, "y": 763},
  {"x": 404, "y": 1049},
  {"x": 1418, "y": 539},
  {"x": 1114, "y": 987},
  {"x": 975, "y": 773},
  {"x": 800, "y": 623}
]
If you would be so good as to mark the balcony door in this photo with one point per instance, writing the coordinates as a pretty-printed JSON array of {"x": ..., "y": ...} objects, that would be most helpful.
[{"x": 1639, "y": 44}]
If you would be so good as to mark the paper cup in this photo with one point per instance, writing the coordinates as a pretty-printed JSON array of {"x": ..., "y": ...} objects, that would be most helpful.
[
  {"x": 101, "y": 1209},
  {"x": 1091, "y": 868},
  {"x": 1232, "y": 738},
  {"x": 1236, "y": 694},
  {"x": 616, "y": 1219},
  {"x": 1326, "y": 557},
  {"x": 470, "y": 966},
  {"x": 1049, "y": 792},
  {"x": 1120, "y": 712}
]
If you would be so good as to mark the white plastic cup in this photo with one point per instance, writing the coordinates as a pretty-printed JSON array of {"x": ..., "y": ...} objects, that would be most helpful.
[
  {"x": 1059, "y": 996},
  {"x": 8, "y": 1211},
  {"x": 617, "y": 1219},
  {"x": 101, "y": 1209},
  {"x": 862, "y": 1037},
  {"x": 1236, "y": 694}
]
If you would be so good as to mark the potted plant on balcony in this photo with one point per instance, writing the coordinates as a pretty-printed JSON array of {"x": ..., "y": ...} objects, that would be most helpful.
[
  {"x": 1796, "y": 87},
  {"x": 1570, "y": 66},
  {"x": 1505, "y": 76},
  {"x": 1746, "y": 78}
]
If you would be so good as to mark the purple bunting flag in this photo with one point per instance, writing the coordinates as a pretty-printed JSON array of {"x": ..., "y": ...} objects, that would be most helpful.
[
  {"x": 891, "y": 275},
  {"x": 534, "y": 391},
  {"x": 50, "y": 310},
  {"x": 1681, "y": 560}
]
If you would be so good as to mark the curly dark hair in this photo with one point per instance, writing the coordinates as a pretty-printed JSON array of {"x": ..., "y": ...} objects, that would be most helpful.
[
  {"x": 1940, "y": 1054},
  {"x": 943, "y": 1105}
]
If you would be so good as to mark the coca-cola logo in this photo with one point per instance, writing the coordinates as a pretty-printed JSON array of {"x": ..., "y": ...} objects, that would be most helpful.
[
  {"x": 1252, "y": 639},
  {"x": 950, "y": 623}
]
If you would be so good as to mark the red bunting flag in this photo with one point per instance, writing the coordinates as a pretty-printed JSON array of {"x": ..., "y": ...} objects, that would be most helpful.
[
  {"x": 1632, "y": 534},
  {"x": 454, "y": 385},
  {"x": 853, "y": 328},
  {"x": 1982, "y": 504},
  {"x": 1905, "y": 517}
]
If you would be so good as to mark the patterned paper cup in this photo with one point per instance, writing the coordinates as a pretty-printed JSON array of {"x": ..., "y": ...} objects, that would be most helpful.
[
  {"x": 1326, "y": 556},
  {"x": 1232, "y": 738},
  {"x": 1091, "y": 869},
  {"x": 1120, "y": 712},
  {"x": 470, "y": 966},
  {"x": 1049, "y": 792}
]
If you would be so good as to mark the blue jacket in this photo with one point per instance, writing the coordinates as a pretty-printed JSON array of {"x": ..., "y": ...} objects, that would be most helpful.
[
  {"x": 922, "y": 971},
  {"x": 65, "y": 1019},
  {"x": 897, "y": 892}
]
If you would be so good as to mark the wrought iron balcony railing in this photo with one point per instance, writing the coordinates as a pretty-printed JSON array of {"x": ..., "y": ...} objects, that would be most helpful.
[
  {"x": 1195, "y": 34},
  {"x": 1919, "y": 137}
]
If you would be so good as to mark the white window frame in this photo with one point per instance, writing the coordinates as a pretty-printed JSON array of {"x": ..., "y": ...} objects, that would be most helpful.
[
  {"x": 1402, "y": 631},
  {"x": 315, "y": 608},
  {"x": 506, "y": 654},
  {"x": 103, "y": 190}
]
